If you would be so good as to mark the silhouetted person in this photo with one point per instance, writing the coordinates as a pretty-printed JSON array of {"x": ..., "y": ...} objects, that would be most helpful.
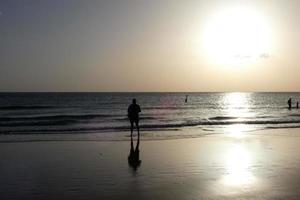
[
  {"x": 290, "y": 103},
  {"x": 186, "y": 98},
  {"x": 297, "y": 105},
  {"x": 134, "y": 155},
  {"x": 133, "y": 115}
]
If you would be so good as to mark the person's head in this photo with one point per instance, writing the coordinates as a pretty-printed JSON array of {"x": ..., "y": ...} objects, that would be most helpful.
[{"x": 134, "y": 101}]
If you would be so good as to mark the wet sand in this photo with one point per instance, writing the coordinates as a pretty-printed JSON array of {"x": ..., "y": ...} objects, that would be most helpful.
[{"x": 260, "y": 165}]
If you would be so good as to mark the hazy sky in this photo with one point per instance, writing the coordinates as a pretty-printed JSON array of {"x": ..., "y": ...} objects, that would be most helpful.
[{"x": 149, "y": 45}]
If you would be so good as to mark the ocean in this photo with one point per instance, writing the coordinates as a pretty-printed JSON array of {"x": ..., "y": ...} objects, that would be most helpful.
[{"x": 104, "y": 115}]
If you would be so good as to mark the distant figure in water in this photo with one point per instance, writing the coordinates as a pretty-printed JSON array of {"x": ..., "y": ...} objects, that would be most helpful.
[
  {"x": 134, "y": 155},
  {"x": 133, "y": 115},
  {"x": 186, "y": 98},
  {"x": 290, "y": 103},
  {"x": 297, "y": 104}
]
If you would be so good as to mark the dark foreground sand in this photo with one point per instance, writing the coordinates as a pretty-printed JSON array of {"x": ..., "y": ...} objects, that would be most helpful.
[{"x": 263, "y": 165}]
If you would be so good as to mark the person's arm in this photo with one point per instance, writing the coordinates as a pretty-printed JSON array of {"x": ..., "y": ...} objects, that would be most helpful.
[
  {"x": 128, "y": 111},
  {"x": 140, "y": 109}
]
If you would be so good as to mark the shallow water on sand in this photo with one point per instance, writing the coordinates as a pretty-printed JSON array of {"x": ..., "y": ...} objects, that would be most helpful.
[{"x": 262, "y": 166}]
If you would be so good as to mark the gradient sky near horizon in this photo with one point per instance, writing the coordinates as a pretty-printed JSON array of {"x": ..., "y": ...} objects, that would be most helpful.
[{"x": 141, "y": 45}]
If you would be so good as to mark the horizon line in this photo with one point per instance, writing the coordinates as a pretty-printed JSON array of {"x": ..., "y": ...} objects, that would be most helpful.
[{"x": 149, "y": 91}]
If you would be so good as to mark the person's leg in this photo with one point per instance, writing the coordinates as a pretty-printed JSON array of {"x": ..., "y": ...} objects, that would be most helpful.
[{"x": 131, "y": 127}]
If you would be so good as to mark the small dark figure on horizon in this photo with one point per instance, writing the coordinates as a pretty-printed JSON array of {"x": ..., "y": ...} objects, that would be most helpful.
[
  {"x": 133, "y": 115},
  {"x": 297, "y": 104},
  {"x": 186, "y": 98},
  {"x": 290, "y": 103},
  {"x": 134, "y": 155}
]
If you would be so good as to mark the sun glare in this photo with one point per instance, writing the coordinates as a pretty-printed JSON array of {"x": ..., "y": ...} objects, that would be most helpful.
[
  {"x": 236, "y": 35},
  {"x": 237, "y": 104},
  {"x": 239, "y": 161}
]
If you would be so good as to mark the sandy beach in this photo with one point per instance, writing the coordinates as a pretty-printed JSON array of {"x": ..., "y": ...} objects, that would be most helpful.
[{"x": 260, "y": 165}]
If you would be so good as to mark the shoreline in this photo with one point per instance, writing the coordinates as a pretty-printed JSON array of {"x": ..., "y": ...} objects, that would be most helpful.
[{"x": 193, "y": 133}]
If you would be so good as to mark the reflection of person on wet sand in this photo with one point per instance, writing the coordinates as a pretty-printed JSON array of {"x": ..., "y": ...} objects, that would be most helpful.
[{"x": 134, "y": 155}]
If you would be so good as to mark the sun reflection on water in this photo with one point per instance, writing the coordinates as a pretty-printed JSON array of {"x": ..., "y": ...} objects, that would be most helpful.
[
  {"x": 237, "y": 105},
  {"x": 238, "y": 163},
  {"x": 237, "y": 130},
  {"x": 238, "y": 159}
]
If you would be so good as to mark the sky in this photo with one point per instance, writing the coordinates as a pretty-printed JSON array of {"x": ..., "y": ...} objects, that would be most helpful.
[{"x": 149, "y": 46}]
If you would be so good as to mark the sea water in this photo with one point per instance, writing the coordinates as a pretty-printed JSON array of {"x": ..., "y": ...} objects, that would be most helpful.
[{"x": 106, "y": 113}]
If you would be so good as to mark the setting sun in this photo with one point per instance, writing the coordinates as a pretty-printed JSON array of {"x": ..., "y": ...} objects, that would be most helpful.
[{"x": 236, "y": 35}]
